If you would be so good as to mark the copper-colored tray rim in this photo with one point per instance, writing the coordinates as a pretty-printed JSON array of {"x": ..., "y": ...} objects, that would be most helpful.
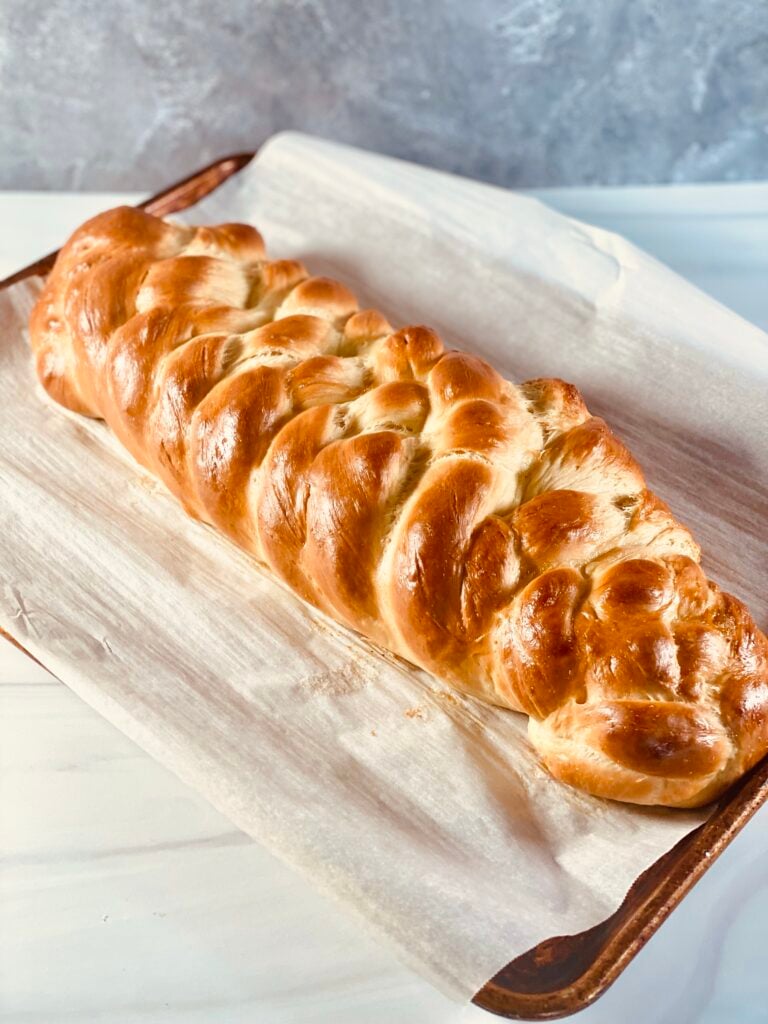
[
  {"x": 171, "y": 200},
  {"x": 565, "y": 973}
]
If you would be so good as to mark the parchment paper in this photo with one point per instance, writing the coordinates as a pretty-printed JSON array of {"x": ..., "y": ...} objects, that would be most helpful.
[{"x": 423, "y": 811}]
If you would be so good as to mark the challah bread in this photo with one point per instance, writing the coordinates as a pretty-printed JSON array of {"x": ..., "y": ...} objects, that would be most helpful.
[{"x": 494, "y": 534}]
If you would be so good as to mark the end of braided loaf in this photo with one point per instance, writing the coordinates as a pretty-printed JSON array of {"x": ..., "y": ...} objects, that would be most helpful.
[{"x": 494, "y": 534}]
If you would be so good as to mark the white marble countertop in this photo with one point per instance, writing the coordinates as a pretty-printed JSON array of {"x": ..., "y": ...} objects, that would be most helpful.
[{"x": 126, "y": 899}]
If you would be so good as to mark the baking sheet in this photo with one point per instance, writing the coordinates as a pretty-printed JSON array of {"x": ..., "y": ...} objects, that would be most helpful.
[{"x": 424, "y": 811}]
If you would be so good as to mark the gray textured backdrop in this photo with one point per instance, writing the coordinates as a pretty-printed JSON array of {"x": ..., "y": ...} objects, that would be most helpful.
[{"x": 135, "y": 93}]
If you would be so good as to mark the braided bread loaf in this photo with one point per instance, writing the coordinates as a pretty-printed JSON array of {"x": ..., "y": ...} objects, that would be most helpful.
[{"x": 494, "y": 534}]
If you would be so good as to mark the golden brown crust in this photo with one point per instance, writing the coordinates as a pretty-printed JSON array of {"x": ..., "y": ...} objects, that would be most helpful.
[{"x": 494, "y": 534}]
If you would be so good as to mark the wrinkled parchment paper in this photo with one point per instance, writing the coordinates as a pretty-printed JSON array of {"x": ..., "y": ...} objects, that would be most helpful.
[{"x": 422, "y": 810}]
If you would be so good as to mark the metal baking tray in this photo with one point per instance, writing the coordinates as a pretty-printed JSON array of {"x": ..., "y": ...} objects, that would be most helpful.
[{"x": 565, "y": 973}]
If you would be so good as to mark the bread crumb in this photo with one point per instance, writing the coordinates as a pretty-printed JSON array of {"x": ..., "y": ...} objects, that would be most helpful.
[
  {"x": 448, "y": 697},
  {"x": 339, "y": 682}
]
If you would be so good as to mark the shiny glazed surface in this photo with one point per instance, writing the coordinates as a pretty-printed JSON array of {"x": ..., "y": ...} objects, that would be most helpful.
[{"x": 496, "y": 535}]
